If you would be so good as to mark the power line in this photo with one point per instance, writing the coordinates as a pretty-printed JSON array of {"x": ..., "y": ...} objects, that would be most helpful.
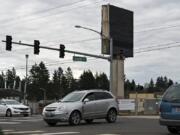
[
  {"x": 62, "y": 12},
  {"x": 44, "y": 11},
  {"x": 156, "y": 49},
  {"x": 159, "y": 45},
  {"x": 157, "y": 28}
]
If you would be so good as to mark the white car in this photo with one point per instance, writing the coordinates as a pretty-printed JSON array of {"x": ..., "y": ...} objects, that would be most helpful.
[
  {"x": 9, "y": 107},
  {"x": 82, "y": 105}
]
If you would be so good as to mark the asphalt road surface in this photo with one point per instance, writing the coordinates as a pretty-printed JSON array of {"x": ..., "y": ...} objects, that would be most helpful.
[{"x": 129, "y": 125}]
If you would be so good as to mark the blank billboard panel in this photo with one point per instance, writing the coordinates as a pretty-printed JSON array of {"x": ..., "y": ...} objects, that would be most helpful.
[{"x": 119, "y": 28}]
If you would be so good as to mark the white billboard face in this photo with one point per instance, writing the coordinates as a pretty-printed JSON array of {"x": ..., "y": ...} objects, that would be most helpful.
[{"x": 126, "y": 104}]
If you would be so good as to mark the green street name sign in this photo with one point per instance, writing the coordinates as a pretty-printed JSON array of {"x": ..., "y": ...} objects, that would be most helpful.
[{"x": 78, "y": 58}]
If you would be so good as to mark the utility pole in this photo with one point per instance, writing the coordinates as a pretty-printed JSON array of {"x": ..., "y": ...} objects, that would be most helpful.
[
  {"x": 5, "y": 81},
  {"x": 25, "y": 86}
]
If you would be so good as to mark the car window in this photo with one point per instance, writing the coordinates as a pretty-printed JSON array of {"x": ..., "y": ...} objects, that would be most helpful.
[
  {"x": 102, "y": 95},
  {"x": 172, "y": 94},
  {"x": 90, "y": 96},
  {"x": 12, "y": 102},
  {"x": 2, "y": 102},
  {"x": 73, "y": 97}
]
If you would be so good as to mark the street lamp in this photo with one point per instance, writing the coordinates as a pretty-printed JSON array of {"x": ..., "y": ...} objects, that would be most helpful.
[
  {"x": 111, "y": 49},
  {"x": 78, "y": 26}
]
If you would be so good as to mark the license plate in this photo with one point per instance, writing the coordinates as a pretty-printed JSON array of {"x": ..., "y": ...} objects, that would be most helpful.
[{"x": 49, "y": 114}]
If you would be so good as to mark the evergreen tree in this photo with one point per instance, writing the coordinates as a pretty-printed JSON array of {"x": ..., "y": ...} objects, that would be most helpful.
[
  {"x": 102, "y": 81},
  {"x": 17, "y": 82},
  {"x": 127, "y": 87},
  {"x": 64, "y": 86},
  {"x": 133, "y": 85},
  {"x": 87, "y": 80},
  {"x": 170, "y": 82},
  {"x": 151, "y": 86},
  {"x": 12, "y": 79},
  {"x": 69, "y": 79},
  {"x": 2, "y": 80},
  {"x": 163, "y": 83},
  {"x": 159, "y": 83},
  {"x": 39, "y": 79},
  {"x": 57, "y": 83},
  {"x": 139, "y": 88}
]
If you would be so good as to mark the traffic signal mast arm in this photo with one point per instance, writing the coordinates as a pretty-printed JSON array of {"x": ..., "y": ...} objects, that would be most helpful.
[
  {"x": 87, "y": 54},
  {"x": 68, "y": 51}
]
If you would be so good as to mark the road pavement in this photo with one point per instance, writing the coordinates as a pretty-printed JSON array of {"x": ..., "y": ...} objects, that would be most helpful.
[{"x": 128, "y": 125}]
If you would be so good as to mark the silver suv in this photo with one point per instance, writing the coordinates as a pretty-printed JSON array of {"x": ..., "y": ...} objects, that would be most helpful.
[{"x": 82, "y": 105}]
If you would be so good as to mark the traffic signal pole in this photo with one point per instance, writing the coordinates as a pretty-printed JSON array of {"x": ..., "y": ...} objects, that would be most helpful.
[{"x": 58, "y": 49}]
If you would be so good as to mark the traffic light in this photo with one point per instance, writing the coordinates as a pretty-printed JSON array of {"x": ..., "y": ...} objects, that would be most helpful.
[
  {"x": 8, "y": 43},
  {"x": 61, "y": 51},
  {"x": 36, "y": 46}
]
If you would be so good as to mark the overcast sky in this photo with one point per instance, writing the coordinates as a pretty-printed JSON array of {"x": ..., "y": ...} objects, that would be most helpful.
[{"x": 156, "y": 24}]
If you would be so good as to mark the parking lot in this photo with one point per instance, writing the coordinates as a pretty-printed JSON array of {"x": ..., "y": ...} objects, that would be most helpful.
[{"x": 125, "y": 125}]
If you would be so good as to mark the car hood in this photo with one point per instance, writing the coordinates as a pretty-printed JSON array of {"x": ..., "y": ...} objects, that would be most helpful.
[
  {"x": 54, "y": 105},
  {"x": 18, "y": 106}
]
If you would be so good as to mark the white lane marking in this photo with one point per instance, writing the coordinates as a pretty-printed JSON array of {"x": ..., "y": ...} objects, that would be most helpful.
[
  {"x": 7, "y": 130},
  {"x": 21, "y": 120},
  {"x": 9, "y": 123},
  {"x": 23, "y": 132},
  {"x": 107, "y": 134},
  {"x": 33, "y": 120},
  {"x": 58, "y": 133}
]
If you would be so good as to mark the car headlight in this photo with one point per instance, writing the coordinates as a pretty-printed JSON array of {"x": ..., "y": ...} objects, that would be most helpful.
[
  {"x": 15, "y": 108},
  {"x": 44, "y": 109}
]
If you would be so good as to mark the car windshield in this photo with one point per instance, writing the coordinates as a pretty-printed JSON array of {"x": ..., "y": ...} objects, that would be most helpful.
[
  {"x": 73, "y": 97},
  {"x": 172, "y": 94},
  {"x": 12, "y": 102}
]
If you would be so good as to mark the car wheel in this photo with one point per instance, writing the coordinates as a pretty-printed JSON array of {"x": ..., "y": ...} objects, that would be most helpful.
[
  {"x": 74, "y": 118},
  {"x": 172, "y": 130},
  {"x": 8, "y": 113},
  {"x": 89, "y": 121},
  {"x": 111, "y": 116},
  {"x": 51, "y": 123}
]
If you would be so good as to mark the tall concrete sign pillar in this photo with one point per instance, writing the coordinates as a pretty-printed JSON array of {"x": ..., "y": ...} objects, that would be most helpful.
[
  {"x": 117, "y": 41},
  {"x": 118, "y": 77}
]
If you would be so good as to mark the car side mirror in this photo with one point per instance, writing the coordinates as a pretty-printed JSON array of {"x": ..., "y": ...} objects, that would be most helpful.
[{"x": 86, "y": 100}]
